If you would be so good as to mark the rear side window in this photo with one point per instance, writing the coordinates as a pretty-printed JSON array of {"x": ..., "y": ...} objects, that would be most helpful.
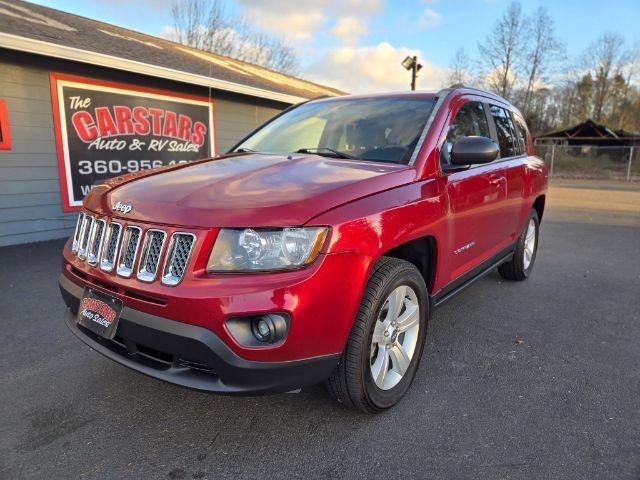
[
  {"x": 469, "y": 121},
  {"x": 509, "y": 146},
  {"x": 521, "y": 130}
]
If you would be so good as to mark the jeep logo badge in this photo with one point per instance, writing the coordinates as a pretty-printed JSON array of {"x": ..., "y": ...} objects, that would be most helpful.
[{"x": 122, "y": 207}]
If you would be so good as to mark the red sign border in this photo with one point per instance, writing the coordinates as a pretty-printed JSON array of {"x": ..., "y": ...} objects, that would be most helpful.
[
  {"x": 55, "y": 102},
  {"x": 5, "y": 143}
]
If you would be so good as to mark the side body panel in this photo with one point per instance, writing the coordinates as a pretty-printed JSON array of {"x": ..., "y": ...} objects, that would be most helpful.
[
  {"x": 378, "y": 223},
  {"x": 477, "y": 201},
  {"x": 474, "y": 206}
]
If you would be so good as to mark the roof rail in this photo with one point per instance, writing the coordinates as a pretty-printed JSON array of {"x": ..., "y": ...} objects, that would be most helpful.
[
  {"x": 485, "y": 92},
  {"x": 460, "y": 86},
  {"x": 444, "y": 92}
]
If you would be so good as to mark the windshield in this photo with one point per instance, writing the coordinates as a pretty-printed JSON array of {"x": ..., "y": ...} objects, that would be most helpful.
[{"x": 384, "y": 129}]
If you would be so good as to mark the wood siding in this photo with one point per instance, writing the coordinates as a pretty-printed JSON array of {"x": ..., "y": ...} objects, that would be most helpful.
[{"x": 30, "y": 203}]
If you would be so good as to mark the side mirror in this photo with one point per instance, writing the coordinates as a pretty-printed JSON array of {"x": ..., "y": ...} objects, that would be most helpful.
[{"x": 472, "y": 150}]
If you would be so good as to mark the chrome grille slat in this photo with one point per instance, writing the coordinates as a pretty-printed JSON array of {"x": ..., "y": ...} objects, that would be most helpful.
[
  {"x": 76, "y": 234},
  {"x": 178, "y": 254},
  {"x": 85, "y": 234},
  {"x": 95, "y": 242},
  {"x": 128, "y": 251},
  {"x": 110, "y": 247},
  {"x": 113, "y": 246},
  {"x": 151, "y": 253}
]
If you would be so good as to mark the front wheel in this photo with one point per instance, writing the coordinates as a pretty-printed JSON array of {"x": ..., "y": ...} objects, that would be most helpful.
[
  {"x": 520, "y": 266},
  {"x": 386, "y": 341}
]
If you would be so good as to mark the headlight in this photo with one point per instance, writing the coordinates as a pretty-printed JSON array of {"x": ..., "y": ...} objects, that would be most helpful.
[{"x": 269, "y": 249}]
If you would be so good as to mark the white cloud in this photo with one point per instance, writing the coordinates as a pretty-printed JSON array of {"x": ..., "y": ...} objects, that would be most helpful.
[
  {"x": 296, "y": 22},
  {"x": 370, "y": 69},
  {"x": 429, "y": 19},
  {"x": 349, "y": 30},
  {"x": 358, "y": 7},
  {"x": 353, "y": 65},
  {"x": 294, "y": 26},
  {"x": 167, "y": 32},
  {"x": 301, "y": 20}
]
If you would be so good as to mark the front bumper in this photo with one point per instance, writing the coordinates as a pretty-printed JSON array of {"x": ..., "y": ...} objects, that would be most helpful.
[
  {"x": 190, "y": 355},
  {"x": 321, "y": 300}
]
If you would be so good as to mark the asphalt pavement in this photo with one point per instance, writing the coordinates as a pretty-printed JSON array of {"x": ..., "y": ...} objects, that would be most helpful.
[{"x": 539, "y": 379}]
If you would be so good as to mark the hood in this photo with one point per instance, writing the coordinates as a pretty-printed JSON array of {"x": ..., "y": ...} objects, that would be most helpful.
[{"x": 256, "y": 190}]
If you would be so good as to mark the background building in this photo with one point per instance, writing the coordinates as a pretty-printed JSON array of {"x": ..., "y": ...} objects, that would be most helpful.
[
  {"x": 590, "y": 133},
  {"x": 69, "y": 85}
]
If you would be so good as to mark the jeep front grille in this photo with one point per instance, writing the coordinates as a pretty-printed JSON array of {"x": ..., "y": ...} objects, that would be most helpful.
[
  {"x": 128, "y": 251},
  {"x": 85, "y": 232},
  {"x": 95, "y": 241},
  {"x": 114, "y": 246},
  {"x": 150, "y": 256},
  {"x": 110, "y": 247},
  {"x": 178, "y": 255}
]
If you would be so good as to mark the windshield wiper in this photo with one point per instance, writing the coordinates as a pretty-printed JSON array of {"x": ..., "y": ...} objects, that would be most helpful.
[{"x": 328, "y": 152}]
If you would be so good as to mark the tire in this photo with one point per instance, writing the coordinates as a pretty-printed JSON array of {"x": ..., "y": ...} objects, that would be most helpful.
[
  {"x": 517, "y": 268},
  {"x": 352, "y": 383}
]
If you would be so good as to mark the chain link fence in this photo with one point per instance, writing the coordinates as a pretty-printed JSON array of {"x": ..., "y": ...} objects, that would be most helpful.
[{"x": 592, "y": 162}]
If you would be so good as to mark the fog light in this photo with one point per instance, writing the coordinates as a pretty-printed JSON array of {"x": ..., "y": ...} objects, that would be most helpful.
[
  {"x": 263, "y": 329},
  {"x": 269, "y": 328},
  {"x": 260, "y": 331}
]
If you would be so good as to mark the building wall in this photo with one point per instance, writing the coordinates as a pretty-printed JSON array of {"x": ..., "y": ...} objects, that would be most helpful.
[{"x": 30, "y": 203}]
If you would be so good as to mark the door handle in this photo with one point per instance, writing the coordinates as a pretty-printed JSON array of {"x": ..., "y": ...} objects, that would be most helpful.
[{"x": 498, "y": 181}]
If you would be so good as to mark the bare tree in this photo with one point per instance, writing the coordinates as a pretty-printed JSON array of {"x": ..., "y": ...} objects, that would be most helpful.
[
  {"x": 520, "y": 52},
  {"x": 198, "y": 23},
  {"x": 460, "y": 69},
  {"x": 606, "y": 59},
  {"x": 543, "y": 49},
  {"x": 622, "y": 90},
  {"x": 269, "y": 51},
  {"x": 206, "y": 25},
  {"x": 503, "y": 49}
]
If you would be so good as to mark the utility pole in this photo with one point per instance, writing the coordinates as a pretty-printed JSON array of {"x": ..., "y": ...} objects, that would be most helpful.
[
  {"x": 414, "y": 73},
  {"x": 411, "y": 64}
]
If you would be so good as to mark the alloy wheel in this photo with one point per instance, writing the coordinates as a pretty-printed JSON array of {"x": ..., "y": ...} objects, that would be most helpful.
[
  {"x": 395, "y": 337},
  {"x": 529, "y": 243}
]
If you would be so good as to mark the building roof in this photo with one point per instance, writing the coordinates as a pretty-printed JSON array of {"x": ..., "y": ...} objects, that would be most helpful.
[
  {"x": 590, "y": 130},
  {"x": 45, "y": 31}
]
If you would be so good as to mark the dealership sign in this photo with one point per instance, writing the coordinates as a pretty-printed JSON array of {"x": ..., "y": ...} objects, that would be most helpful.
[{"x": 106, "y": 130}]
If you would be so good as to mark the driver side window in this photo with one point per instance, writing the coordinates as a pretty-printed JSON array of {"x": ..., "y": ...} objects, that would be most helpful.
[{"x": 469, "y": 121}]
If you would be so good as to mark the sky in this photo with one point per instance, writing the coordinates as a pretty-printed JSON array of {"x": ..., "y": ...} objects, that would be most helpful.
[{"x": 355, "y": 45}]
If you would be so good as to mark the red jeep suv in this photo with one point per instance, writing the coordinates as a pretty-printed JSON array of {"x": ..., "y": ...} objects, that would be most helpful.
[{"x": 315, "y": 250}]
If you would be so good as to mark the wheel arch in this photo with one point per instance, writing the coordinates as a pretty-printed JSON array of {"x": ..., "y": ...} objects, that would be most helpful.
[
  {"x": 421, "y": 252},
  {"x": 538, "y": 205}
]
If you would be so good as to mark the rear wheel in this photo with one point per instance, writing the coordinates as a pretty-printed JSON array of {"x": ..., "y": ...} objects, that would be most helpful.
[
  {"x": 524, "y": 256},
  {"x": 386, "y": 342}
]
